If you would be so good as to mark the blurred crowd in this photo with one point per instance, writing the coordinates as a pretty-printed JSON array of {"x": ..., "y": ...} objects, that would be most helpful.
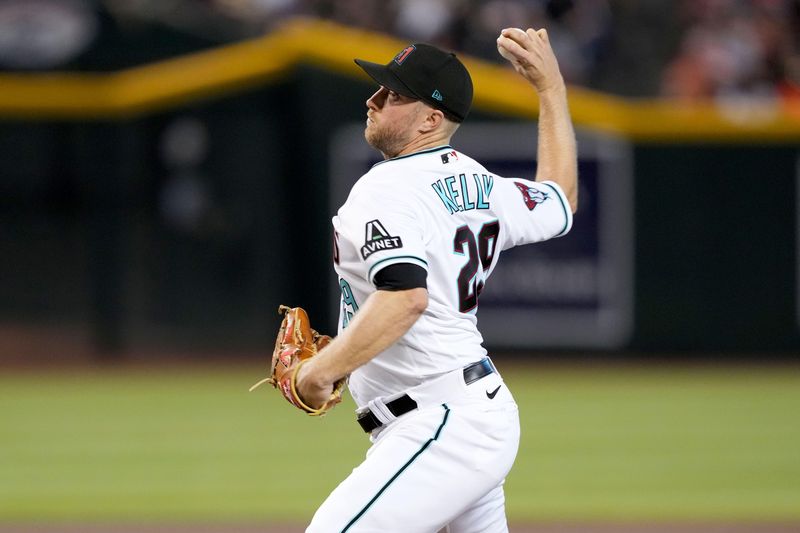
[
  {"x": 686, "y": 49},
  {"x": 683, "y": 49},
  {"x": 736, "y": 48}
]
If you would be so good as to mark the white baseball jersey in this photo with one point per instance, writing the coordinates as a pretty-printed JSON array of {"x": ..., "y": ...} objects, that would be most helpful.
[{"x": 443, "y": 211}]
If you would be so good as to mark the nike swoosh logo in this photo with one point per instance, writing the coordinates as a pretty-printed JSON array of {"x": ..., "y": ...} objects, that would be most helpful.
[{"x": 492, "y": 394}]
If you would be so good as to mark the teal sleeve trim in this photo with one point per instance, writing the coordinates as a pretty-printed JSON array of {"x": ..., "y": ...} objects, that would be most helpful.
[{"x": 563, "y": 207}]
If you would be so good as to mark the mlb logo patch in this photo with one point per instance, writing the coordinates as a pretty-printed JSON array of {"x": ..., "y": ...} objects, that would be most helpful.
[
  {"x": 449, "y": 156},
  {"x": 531, "y": 195}
]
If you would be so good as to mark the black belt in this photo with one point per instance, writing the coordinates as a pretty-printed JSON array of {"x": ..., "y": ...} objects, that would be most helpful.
[{"x": 402, "y": 405}]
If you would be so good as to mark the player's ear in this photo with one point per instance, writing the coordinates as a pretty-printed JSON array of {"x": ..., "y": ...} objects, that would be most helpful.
[{"x": 433, "y": 119}]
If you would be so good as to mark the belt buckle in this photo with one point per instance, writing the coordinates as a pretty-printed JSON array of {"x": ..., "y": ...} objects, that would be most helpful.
[{"x": 478, "y": 370}]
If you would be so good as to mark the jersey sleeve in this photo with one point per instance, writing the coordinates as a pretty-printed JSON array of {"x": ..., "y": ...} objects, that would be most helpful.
[
  {"x": 534, "y": 211},
  {"x": 386, "y": 230}
]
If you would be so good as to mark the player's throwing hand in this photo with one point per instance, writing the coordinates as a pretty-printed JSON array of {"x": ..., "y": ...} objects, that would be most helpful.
[{"x": 531, "y": 56}]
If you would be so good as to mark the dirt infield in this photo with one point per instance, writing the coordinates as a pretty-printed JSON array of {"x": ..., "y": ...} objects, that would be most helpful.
[{"x": 515, "y": 528}]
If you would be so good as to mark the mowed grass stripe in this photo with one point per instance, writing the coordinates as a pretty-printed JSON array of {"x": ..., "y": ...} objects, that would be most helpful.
[
  {"x": 658, "y": 444},
  {"x": 167, "y": 444},
  {"x": 604, "y": 443}
]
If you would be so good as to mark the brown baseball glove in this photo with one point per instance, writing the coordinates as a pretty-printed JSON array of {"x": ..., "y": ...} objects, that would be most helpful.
[{"x": 296, "y": 344}]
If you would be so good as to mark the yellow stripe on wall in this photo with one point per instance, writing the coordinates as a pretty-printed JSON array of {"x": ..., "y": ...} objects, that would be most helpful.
[
  {"x": 257, "y": 62},
  {"x": 146, "y": 88}
]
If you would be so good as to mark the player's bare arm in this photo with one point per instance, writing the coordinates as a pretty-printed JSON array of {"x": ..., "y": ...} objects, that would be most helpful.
[
  {"x": 531, "y": 55},
  {"x": 381, "y": 321}
]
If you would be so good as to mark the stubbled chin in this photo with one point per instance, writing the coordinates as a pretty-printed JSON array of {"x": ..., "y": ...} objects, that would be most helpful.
[
  {"x": 373, "y": 140},
  {"x": 369, "y": 137},
  {"x": 380, "y": 141}
]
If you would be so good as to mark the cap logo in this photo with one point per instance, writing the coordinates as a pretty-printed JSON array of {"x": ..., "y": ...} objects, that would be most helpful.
[
  {"x": 437, "y": 95},
  {"x": 399, "y": 58}
]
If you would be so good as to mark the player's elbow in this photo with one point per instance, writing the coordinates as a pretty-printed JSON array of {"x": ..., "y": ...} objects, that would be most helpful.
[
  {"x": 416, "y": 300},
  {"x": 566, "y": 179},
  {"x": 569, "y": 186},
  {"x": 406, "y": 305},
  {"x": 573, "y": 200},
  {"x": 571, "y": 189}
]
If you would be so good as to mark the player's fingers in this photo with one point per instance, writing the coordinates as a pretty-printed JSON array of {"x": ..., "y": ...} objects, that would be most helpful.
[
  {"x": 512, "y": 47},
  {"x": 514, "y": 32},
  {"x": 516, "y": 35},
  {"x": 538, "y": 38}
]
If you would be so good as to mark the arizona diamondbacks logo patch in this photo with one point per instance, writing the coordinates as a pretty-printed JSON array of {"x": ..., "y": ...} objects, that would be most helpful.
[
  {"x": 378, "y": 239},
  {"x": 531, "y": 195}
]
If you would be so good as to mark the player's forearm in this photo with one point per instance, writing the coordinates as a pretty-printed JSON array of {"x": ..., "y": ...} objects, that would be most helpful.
[
  {"x": 557, "y": 151},
  {"x": 383, "y": 318}
]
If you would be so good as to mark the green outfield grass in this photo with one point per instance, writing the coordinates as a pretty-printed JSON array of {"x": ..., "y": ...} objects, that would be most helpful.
[{"x": 605, "y": 443}]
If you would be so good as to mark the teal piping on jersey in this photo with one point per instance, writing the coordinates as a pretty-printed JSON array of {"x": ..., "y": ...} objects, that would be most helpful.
[
  {"x": 428, "y": 151},
  {"x": 566, "y": 214},
  {"x": 421, "y": 260},
  {"x": 402, "y": 469}
]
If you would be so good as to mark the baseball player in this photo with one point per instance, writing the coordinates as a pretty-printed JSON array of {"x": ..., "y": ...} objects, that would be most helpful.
[{"x": 414, "y": 244}]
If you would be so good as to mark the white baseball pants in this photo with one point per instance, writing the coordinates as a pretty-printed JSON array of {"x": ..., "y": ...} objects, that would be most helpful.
[{"x": 439, "y": 466}]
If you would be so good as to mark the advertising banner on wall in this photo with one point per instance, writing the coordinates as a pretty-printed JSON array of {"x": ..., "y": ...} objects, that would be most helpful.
[{"x": 572, "y": 292}]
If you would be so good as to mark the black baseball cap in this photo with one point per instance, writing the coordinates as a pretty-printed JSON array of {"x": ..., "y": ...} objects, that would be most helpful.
[{"x": 429, "y": 74}]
